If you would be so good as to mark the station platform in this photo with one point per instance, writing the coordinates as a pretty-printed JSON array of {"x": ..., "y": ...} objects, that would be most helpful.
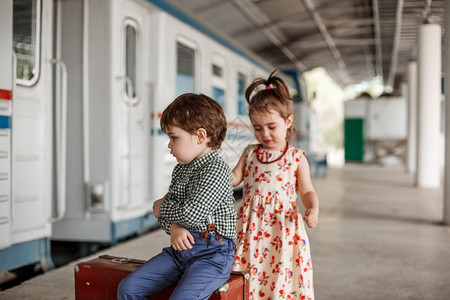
[{"x": 379, "y": 237}]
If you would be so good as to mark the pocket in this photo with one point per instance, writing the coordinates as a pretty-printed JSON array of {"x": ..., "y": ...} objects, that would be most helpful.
[{"x": 229, "y": 263}]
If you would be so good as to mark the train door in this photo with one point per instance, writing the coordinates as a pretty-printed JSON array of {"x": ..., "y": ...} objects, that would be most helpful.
[
  {"x": 31, "y": 134},
  {"x": 131, "y": 110},
  {"x": 6, "y": 84},
  {"x": 32, "y": 119}
]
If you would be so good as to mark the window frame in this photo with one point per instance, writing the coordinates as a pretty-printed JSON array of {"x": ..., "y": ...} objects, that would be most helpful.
[
  {"x": 188, "y": 43},
  {"x": 217, "y": 81},
  {"x": 31, "y": 82}
]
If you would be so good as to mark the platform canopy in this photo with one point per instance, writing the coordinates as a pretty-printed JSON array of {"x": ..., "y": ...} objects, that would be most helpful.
[{"x": 354, "y": 40}]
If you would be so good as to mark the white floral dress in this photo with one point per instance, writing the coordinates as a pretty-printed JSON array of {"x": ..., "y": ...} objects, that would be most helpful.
[{"x": 272, "y": 243}]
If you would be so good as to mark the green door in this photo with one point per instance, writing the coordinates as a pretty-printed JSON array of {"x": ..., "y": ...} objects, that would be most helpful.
[{"x": 354, "y": 139}]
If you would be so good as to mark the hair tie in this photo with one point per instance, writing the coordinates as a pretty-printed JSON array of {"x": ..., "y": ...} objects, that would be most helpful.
[{"x": 268, "y": 87}]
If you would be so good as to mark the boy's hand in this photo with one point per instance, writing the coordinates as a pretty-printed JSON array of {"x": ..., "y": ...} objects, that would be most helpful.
[
  {"x": 311, "y": 217},
  {"x": 180, "y": 238},
  {"x": 156, "y": 206}
]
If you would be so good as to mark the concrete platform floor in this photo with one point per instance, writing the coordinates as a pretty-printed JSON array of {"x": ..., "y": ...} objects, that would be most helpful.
[{"x": 379, "y": 237}]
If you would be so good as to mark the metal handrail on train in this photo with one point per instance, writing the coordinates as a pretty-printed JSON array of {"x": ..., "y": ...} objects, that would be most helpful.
[
  {"x": 61, "y": 141},
  {"x": 128, "y": 92},
  {"x": 127, "y": 100}
]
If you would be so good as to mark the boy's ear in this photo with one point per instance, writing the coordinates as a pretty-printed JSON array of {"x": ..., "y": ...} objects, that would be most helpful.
[
  {"x": 201, "y": 135},
  {"x": 289, "y": 121}
]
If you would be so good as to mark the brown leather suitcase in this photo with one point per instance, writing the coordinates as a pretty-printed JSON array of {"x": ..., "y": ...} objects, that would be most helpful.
[{"x": 98, "y": 279}]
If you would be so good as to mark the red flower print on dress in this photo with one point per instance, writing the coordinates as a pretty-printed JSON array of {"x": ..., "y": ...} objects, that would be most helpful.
[
  {"x": 255, "y": 171},
  {"x": 262, "y": 178},
  {"x": 262, "y": 278},
  {"x": 272, "y": 286},
  {"x": 277, "y": 242},
  {"x": 254, "y": 271},
  {"x": 288, "y": 273}
]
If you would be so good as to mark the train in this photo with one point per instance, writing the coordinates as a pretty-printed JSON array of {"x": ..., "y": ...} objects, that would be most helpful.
[{"x": 82, "y": 87}]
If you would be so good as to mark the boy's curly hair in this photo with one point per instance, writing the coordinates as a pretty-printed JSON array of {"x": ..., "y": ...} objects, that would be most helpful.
[
  {"x": 191, "y": 112},
  {"x": 275, "y": 95}
]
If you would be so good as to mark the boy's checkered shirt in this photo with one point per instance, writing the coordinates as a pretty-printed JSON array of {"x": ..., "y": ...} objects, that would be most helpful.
[{"x": 199, "y": 189}]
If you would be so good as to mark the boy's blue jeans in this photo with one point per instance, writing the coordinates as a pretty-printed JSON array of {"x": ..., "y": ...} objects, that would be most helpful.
[{"x": 198, "y": 271}]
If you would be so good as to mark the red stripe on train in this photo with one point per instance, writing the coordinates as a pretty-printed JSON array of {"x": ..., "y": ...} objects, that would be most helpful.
[{"x": 5, "y": 94}]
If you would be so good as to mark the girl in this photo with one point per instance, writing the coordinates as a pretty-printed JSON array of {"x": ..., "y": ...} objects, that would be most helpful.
[{"x": 272, "y": 244}]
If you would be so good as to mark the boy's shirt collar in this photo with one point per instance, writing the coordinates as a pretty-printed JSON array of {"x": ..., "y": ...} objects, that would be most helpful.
[{"x": 198, "y": 162}]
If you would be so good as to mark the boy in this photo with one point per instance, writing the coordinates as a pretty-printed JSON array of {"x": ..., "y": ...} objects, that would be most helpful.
[{"x": 197, "y": 212}]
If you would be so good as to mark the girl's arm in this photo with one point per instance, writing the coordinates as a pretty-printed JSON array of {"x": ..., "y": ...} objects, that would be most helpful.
[
  {"x": 238, "y": 171},
  {"x": 308, "y": 194}
]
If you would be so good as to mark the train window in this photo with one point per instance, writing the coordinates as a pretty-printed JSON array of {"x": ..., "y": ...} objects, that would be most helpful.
[
  {"x": 217, "y": 70},
  {"x": 185, "y": 69},
  {"x": 131, "y": 58},
  {"x": 218, "y": 79},
  {"x": 219, "y": 96},
  {"x": 242, "y": 104},
  {"x": 26, "y": 40}
]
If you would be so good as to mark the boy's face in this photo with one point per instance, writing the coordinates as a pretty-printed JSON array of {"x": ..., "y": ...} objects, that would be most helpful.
[{"x": 186, "y": 146}]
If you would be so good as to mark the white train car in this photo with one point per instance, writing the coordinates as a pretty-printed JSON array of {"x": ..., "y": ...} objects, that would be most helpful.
[{"x": 85, "y": 149}]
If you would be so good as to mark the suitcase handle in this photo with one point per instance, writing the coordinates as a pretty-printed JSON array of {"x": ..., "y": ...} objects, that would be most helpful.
[{"x": 122, "y": 260}]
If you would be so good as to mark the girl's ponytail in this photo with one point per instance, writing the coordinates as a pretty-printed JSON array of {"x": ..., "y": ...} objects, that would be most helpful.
[{"x": 274, "y": 87}]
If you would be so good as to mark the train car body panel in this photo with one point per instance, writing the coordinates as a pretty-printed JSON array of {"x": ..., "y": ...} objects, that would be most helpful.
[{"x": 6, "y": 84}]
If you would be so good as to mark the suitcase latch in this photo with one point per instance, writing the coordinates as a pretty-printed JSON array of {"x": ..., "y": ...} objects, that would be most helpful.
[{"x": 222, "y": 289}]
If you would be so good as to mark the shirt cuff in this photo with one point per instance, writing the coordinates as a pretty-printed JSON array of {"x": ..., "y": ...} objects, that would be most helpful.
[{"x": 165, "y": 225}]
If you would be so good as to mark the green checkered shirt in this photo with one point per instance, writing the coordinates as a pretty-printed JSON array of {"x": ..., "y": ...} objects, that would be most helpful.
[{"x": 200, "y": 189}]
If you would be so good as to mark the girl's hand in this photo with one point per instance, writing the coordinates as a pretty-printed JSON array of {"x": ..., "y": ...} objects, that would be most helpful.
[
  {"x": 180, "y": 238},
  {"x": 156, "y": 206},
  {"x": 311, "y": 217}
]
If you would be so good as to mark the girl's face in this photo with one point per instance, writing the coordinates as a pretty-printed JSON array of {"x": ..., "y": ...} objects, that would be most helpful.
[
  {"x": 271, "y": 129},
  {"x": 186, "y": 146}
]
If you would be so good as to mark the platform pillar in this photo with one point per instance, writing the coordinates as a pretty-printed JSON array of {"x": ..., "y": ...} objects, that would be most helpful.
[
  {"x": 429, "y": 100},
  {"x": 412, "y": 117},
  {"x": 446, "y": 68}
]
